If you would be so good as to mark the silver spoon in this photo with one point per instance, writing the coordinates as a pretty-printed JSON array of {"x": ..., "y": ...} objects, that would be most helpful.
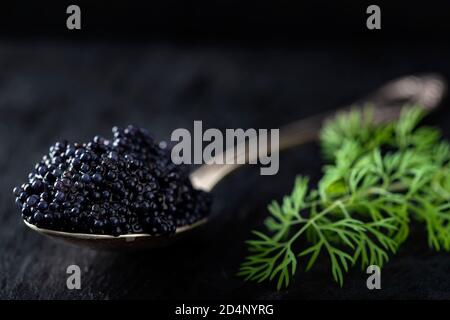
[{"x": 425, "y": 90}]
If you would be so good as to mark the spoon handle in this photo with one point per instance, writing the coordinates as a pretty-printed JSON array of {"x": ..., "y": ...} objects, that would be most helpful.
[{"x": 425, "y": 90}]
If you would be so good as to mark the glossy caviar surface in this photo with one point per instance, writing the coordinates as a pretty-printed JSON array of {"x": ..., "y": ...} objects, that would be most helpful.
[{"x": 123, "y": 185}]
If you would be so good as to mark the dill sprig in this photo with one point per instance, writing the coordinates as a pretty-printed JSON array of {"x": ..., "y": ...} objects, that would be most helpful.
[{"x": 379, "y": 178}]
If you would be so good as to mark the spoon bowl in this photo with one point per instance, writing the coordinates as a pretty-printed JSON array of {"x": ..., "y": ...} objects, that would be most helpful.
[
  {"x": 126, "y": 242},
  {"x": 424, "y": 90}
]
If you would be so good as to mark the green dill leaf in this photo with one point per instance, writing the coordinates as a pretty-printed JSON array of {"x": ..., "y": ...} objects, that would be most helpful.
[{"x": 378, "y": 179}]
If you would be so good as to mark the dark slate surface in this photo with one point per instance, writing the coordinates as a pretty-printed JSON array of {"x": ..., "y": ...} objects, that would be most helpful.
[{"x": 50, "y": 90}]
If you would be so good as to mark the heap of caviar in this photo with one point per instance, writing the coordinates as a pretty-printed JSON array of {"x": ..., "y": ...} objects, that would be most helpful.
[{"x": 119, "y": 186}]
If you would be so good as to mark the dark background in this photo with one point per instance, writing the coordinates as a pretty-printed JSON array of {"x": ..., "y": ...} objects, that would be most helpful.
[{"x": 231, "y": 64}]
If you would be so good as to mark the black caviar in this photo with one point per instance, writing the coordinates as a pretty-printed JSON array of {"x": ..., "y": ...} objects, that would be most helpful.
[{"x": 124, "y": 185}]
